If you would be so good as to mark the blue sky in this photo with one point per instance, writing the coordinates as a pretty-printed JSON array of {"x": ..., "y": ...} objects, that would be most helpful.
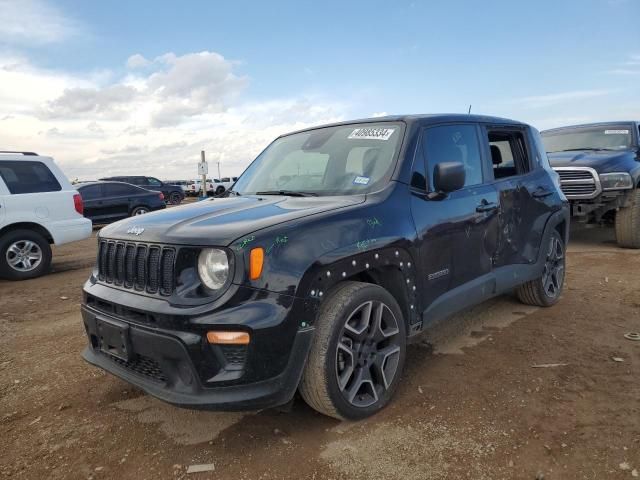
[{"x": 139, "y": 85}]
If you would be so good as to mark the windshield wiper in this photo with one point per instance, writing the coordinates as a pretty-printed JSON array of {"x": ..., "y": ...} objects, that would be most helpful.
[
  {"x": 288, "y": 193},
  {"x": 229, "y": 192}
]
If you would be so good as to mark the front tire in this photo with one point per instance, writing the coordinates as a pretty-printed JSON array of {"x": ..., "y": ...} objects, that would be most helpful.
[
  {"x": 358, "y": 352},
  {"x": 219, "y": 190},
  {"x": 628, "y": 223},
  {"x": 546, "y": 290},
  {"x": 24, "y": 254}
]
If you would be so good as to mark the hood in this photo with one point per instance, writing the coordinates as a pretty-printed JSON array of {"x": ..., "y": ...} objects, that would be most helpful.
[
  {"x": 220, "y": 221},
  {"x": 601, "y": 161}
]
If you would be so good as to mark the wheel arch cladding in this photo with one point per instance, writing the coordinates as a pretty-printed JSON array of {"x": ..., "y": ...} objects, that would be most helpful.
[
  {"x": 391, "y": 268},
  {"x": 27, "y": 226}
]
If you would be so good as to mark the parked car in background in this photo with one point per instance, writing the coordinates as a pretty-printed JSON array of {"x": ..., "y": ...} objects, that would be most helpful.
[
  {"x": 38, "y": 208},
  {"x": 195, "y": 188},
  {"x": 599, "y": 168},
  {"x": 173, "y": 194},
  {"x": 184, "y": 184},
  {"x": 337, "y": 245},
  {"x": 106, "y": 202},
  {"x": 227, "y": 182}
]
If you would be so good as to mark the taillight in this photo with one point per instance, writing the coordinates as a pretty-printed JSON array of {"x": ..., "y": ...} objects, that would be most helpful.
[
  {"x": 161, "y": 196},
  {"x": 78, "y": 203}
]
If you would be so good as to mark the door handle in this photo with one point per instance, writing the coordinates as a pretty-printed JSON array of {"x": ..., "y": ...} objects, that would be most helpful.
[
  {"x": 486, "y": 207},
  {"x": 542, "y": 192}
]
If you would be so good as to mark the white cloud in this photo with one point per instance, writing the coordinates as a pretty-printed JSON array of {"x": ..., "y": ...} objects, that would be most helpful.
[
  {"x": 154, "y": 123},
  {"x": 111, "y": 101},
  {"x": 137, "y": 61},
  {"x": 34, "y": 22},
  {"x": 540, "y": 101},
  {"x": 630, "y": 67}
]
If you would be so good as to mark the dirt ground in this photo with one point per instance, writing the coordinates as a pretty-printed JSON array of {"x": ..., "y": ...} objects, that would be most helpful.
[{"x": 471, "y": 404}]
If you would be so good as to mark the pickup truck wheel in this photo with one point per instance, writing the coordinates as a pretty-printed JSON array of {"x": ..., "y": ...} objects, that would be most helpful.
[
  {"x": 219, "y": 190},
  {"x": 357, "y": 354},
  {"x": 628, "y": 223},
  {"x": 24, "y": 254},
  {"x": 175, "y": 198},
  {"x": 546, "y": 290}
]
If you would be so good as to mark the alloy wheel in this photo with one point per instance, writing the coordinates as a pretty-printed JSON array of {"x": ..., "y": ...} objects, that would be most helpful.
[
  {"x": 24, "y": 255},
  {"x": 553, "y": 273},
  {"x": 368, "y": 354},
  {"x": 174, "y": 198},
  {"x": 140, "y": 211}
]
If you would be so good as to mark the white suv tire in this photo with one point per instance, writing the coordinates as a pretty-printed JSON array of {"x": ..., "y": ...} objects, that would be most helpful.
[{"x": 24, "y": 254}]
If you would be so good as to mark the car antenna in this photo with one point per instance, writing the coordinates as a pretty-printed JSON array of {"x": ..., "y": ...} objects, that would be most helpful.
[{"x": 469, "y": 111}]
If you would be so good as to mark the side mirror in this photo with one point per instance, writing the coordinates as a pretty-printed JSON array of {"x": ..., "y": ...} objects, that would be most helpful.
[{"x": 448, "y": 176}]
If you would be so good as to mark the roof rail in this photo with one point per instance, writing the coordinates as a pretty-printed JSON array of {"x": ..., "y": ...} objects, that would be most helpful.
[{"x": 32, "y": 154}]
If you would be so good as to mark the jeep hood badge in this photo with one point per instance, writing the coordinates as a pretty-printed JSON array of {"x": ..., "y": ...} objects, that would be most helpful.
[{"x": 135, "y": 231}]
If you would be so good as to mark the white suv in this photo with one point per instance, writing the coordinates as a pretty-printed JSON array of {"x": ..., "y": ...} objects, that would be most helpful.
[{"x": 38, "y": 207}]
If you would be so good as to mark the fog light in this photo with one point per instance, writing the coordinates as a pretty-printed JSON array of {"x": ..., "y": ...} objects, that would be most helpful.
[{"x": 228, "y": 338}]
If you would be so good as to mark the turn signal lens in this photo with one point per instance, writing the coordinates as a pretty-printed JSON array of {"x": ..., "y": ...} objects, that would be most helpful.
[
  {"x": 228, "y": 338},
  {"x": 256, "y": 259}
]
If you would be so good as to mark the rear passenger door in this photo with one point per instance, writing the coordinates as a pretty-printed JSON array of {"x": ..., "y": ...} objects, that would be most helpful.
[
  {"x": 524, "y": 190},
  {"x": 116, "y": 199}
]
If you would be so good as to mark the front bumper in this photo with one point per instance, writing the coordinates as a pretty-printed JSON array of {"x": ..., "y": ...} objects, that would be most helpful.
[{"x": 171, "y": 360}]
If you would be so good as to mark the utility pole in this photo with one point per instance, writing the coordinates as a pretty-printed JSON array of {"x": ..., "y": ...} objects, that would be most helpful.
[
  {"x": 203, "y": 170},
  {"x": 219, "y": 176}
]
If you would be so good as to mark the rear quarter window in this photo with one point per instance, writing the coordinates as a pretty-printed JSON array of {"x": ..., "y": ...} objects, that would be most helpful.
[{"x": 28, "y": 177}]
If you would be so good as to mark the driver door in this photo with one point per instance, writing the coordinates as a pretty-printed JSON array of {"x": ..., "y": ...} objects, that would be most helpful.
[{"x": 457, "y": 232}]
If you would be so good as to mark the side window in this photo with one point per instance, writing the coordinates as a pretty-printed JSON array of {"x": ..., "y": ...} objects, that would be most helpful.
[
  {"x": 508, "y": 153},
  {"x": 118, "y": 190},
  {"x": 154, "y": 182},
  {"x": 28, "y": 177},
  {"x": 453, "y": 143},
  {"x": 91, "y": 192}
]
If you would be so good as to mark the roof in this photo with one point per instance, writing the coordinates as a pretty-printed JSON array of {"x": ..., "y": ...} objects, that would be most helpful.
[
  {"x": 423, "y": 119},
  {"x": 587, "y": 125}
]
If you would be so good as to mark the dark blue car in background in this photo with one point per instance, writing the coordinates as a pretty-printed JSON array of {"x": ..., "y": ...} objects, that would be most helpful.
[{"x": 106, "y": 202}]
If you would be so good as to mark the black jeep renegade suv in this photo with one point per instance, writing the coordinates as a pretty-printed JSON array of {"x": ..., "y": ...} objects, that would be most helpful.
[{"x": 336, "y": 246}]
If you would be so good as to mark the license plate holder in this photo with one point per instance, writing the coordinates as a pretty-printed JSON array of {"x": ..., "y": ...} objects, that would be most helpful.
[{"x": 113, "y": 338}]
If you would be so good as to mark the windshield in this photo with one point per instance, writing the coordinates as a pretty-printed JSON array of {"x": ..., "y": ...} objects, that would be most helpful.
[
  {"x": 604, "y": 137},
  {"x": 341, "y": 160}
]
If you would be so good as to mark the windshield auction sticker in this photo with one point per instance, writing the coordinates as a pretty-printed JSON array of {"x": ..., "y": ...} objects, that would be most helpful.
[
  {"x": 616, "y": 132},
  {"x": 376, "y": 133}
]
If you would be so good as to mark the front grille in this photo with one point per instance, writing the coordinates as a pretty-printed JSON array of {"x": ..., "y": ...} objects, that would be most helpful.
[
  {"x": 140, "y": 267},
  {"x": 143, "y": 365},
  {"x": 579, "y": 182}
]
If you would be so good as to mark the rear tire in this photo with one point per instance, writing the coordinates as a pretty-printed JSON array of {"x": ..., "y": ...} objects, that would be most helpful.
[
  {"x": 628, "y": 223},
  {"x": 546, "y": 290},
  {"x": 358, "y": 352},
  {"x": 24, "y": 254},
  {"x": 139, "y": 211},
  {"x": 175, "y": 198}
]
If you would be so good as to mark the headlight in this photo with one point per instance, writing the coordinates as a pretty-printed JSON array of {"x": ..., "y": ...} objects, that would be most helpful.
[
  {"x": 213, "y": 268},
  {"x": 616, "y": 181}
]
